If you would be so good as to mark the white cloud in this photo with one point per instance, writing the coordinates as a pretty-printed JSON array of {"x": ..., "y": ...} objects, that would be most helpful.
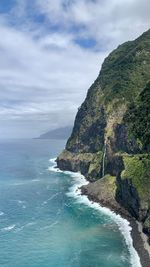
[
  {"x": 114, "y": 21},
  {"x": 44, "y": 74},
  {"x": 42, "y": 78}
]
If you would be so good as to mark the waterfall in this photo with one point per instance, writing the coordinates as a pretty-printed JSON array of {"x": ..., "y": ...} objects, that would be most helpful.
[{"x": 104, "y": 155}]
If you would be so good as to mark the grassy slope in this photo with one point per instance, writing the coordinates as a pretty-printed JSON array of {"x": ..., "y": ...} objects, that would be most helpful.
[
  {"x": 137, "y": 119},
  {"x": 123, "y": 76},
  {"x": 137, "y": 170}
]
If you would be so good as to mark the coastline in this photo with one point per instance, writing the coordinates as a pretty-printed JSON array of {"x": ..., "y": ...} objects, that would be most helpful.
[
  {"x": 139, "y": 238},
  {"x": 139, "y": 243},
  {"x": 134, "y": 237}
]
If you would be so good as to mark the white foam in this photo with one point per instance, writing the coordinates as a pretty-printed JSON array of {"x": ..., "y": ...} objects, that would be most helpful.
[
  {"x": 53, "y": 160},
  {"x": 21, "y": 201},
  {"x": 50, "y": 226},
  {"x": 53, "y": 196},
  {"x": 35, "y": 180},
  {"x": 8, "y": 228},
  {"x": 18, "y": 184},
  {"x": 25, "y": 182},
  {"x": 1, "y": 213},
  {"x": 30, "y": 224},
  {"x": 54, "y": 169},
  {"x": 123, "y": 224},
  {"x": 24, "y": 226}
]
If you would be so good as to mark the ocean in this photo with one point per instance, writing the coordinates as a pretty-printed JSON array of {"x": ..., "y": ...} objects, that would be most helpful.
[{"x": 45, "y": 222}]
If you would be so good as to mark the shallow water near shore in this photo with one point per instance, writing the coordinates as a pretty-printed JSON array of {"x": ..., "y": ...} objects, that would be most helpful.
[{"x": 44, "y": 222}]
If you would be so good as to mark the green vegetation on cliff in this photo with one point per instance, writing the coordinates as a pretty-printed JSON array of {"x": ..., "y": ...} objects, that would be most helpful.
[
  {"x": 103, "y": 190},
  {"x": 124, "y": 74},
  {"x": 86, "y": 163},
  {"x": 126, "y": 70},
  {"x": 137, "y": 119},
  {"x": 111, "y": 133},
  {"x": 137, "y": 170}
]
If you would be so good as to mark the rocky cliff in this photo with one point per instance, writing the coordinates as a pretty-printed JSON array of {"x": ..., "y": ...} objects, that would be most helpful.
[{"x": 111, "y": 134}]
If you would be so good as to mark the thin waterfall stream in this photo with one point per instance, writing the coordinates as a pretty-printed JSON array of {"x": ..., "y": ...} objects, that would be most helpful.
[{"x": 104, "y": 155}]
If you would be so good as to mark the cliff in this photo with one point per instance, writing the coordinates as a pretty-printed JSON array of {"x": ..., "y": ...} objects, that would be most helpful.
[{"x": 111, "y": 134}]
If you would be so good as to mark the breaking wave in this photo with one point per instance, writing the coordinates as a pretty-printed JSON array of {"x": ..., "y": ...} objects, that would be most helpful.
[{"x": 123, "y": 224}]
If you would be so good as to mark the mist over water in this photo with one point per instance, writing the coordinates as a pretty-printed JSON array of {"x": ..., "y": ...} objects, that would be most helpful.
[{"x": 41, "y": 223}]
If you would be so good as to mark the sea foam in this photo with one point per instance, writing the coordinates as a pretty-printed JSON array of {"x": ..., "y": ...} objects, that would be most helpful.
[
  {"x": 123, "y": 224},
  {"x": 8, "y": 228}
]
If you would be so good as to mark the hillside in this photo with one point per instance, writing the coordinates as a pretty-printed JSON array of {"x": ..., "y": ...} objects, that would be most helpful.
[{"x": 111, "y": 134}]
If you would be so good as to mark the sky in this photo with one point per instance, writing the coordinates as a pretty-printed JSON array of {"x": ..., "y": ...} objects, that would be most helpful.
[{"x": 51, "y": 51}]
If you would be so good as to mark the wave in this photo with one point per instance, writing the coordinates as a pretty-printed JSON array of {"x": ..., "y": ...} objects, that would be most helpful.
[
  {"x": 20, "y": 203},
  {"x": 25, "y": 182},
  {"x": 52, "y": 197},
  {"x": 24, "y": 226},
  {"x": 53, "y": 160},
  {"x": 1, "y": 213},
  {"x": 50, "y": 226},
  {"x": 54, "y": 169},
  {"x": 123, "y": 224},
  {"x": 35, "y": 180},
  {"x": 8, "y": 228}
]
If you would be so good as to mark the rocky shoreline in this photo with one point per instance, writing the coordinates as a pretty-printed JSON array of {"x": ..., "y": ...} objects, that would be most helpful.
[
  {"x": 139, "y": 238},
  {"x": 109, "y": 143},
  {"x": 103, "y": 191}
]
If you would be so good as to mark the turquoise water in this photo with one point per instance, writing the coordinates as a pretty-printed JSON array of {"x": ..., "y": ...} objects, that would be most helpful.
[{"x": 40, "y": 224}]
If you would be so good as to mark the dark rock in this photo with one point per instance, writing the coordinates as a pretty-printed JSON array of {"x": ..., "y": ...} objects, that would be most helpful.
[
  {"x": 112, "y": 125},
  {"x": 127, "y": 196}
]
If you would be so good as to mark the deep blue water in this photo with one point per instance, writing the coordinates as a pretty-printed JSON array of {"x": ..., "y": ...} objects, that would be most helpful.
[{"x": 40, "y": 225}]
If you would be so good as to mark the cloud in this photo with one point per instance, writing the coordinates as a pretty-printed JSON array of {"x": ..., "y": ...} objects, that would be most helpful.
[
  {"x": 110, "y": 22},
  {"x": 43, "y": 79},
  {"x": 52, "y": 51}
]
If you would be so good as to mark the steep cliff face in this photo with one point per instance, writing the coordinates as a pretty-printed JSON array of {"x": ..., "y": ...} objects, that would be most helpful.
[
  {"x": 133, "y": 183},
  {"x": 137, "y": 119},
  {"x": 111, "y": 134}
]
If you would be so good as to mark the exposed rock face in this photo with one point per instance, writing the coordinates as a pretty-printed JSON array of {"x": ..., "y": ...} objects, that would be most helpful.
[
  {"x": 111, "y": 134},
  {"x": 146, "y": 226},
  {"x": 89, "y": 164},
  {"x": 123, "y": 142},
  {"x": 103, "y": 191},
  {"x": 133, "y": 187},
  {"x": 127, "y": 196},
  {"x": 90, "y": 123}
]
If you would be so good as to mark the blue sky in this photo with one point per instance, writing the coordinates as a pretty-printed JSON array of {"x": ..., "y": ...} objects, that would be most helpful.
[{"x": 52, "y": 51}]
